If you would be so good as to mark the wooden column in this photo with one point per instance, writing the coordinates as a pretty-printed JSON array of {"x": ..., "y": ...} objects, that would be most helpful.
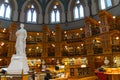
[
  {"x": 105, "y": 20},
  {"x": 45, "y": 31},
  {"x": 12, "y": 38},
  {"x": 89, "y": 46},
  {"x": 88, "y": 31},
  {"x": 106, "y": 44},
  {"x": 58, "y": 41}
]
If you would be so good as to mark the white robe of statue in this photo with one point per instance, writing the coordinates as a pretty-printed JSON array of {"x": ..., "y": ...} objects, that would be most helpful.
[{"x": 21, "y": 40}]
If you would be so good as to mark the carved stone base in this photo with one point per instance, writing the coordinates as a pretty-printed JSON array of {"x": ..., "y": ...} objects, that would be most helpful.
[
  {"x": 18, "y": 65},
  {"x": 14, "y": 77}
]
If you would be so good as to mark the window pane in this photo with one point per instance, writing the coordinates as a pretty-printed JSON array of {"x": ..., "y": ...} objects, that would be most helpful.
[
  {"x": 34, "y": 16},
  {"x": 108, "y": 3},
  {"x": 76, "y": 15},
  {"x": 52, "y": 16},
  {"x": 32, "y": 6},
  {"x": 102, "y": 4},
  {"x": 2, "y": 10},
  {"x": 6, "y": 1},
  {"x": 55, "y": 7},
  {"x": 81, "y": 12},
  {"x": 8, "y": 12},
  {"x": 29, "y": 16},
  {"x": 57, "y": 16},
  {"x": 77, "y": 1}
]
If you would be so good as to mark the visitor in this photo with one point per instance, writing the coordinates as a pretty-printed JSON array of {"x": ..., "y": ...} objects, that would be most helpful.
[{"x": 48, "y": 76}]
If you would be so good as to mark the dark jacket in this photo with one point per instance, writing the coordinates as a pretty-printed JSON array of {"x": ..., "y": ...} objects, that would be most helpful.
[{"x": 48, "y": 76}]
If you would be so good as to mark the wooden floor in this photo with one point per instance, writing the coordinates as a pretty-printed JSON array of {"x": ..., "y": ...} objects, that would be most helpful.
[{"x": 87, "y": 78}]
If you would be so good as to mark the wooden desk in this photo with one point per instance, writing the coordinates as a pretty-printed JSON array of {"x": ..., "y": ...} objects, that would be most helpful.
[
  {"x": 112, "y": 73},
  {"x": 113, "y": 76}
]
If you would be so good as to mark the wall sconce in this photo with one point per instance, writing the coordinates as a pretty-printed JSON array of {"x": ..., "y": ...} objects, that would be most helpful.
[
  {"x": 99, "y": 22},
  {"x": 114, "y": 17},
  {"x": 81, "y": 29},
  {"x": 4, "y": 30},
  {"x": 117, "y": 38},
  {"x": 53, "y": 45},
  {"x": 82, "y": 44},
  {"x": 2, "y": 43},
  {"x": 38, "y": 34},
  {"x": 37, "y": 47},
  {"x": 65, "y": 32}
]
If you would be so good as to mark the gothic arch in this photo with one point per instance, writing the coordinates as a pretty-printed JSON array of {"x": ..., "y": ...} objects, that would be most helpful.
[
  {"x": 14, "y": 7},
  {"x": 47, "y": 18},
  {"x": 39, "y": 10},
  {"x": 72, "y": 3},
  {"x": 14, "y": 4},
  {"x": 15, "y": 10},
  {"x": 71, "y": 6}
]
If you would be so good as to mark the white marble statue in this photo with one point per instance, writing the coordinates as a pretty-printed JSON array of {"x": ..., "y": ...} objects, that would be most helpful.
[
  {"x": 114, "y": 60},
  {"x": 106, "y": 61},
  {"x": 21, "y": 40},
  {"x": 18, "y": 64}
]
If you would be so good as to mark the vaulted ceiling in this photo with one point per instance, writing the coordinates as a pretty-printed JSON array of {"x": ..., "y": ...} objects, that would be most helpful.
[
  {"x": 44, "y": 3},
  {"x": 67, "y": 22}
]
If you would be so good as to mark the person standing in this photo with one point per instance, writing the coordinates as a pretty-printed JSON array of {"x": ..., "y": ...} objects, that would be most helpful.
[{"x": 48, "y": 76}]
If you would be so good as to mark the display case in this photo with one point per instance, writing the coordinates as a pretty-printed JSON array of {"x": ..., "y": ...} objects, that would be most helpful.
[
  {"x": 34, "y": 44},
  {"x": 75, "y": 35},
  {"x": 79, "y": 72}
]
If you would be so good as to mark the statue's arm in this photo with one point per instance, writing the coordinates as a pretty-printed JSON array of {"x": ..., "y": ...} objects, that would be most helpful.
[{"x": 25, "y": 35}]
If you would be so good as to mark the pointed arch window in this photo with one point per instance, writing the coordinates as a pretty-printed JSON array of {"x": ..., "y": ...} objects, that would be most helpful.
[
  {"x": 78, "y": 11},
  {"x": 32, "y": 15},
  {"x": 104, "y": 4},
  {"x": 55, "y": 15},
  {"x": 5, "y": 10}
]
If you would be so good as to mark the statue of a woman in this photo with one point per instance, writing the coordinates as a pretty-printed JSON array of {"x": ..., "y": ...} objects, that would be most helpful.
[{"x": 21, "y": 40}]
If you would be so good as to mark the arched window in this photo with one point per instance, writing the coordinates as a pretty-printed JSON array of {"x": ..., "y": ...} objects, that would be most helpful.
[
  {"x": 31, "y": 15},
  {"x": 78, "y": 11},
  {"x": 5, "y": 10},
  {"x": 55, "y": 15},
  {"x": 104, "y": 4}
]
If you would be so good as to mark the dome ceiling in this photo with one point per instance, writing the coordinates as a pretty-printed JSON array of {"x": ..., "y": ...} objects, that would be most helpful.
[
  {"x": 65, "y": 6},
  {"x": 67, "y": 16},
  {"x": 43, "y": 3}
]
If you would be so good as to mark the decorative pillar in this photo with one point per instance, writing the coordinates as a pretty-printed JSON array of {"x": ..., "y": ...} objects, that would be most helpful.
[
  {"x": 45, "y": 31},
  {"x": 105, "y": 28},
  {"x": 106, "y": 43},
  {"x": 88, "y": 25},
  {"x": 104, "y": 24},
  {"x": 12, "y": 38},
  {"x": 58, "y": 41}
]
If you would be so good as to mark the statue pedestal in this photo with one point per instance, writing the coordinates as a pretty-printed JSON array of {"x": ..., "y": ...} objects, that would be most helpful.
[
  {"x": 14, "y": 77},
  {"x": 18, "y": 65}
]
